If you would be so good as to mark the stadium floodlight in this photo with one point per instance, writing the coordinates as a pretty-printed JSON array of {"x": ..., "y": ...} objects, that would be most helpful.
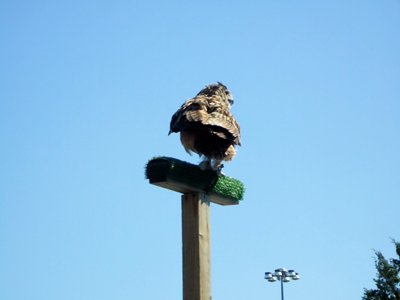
[{"x": 282, "y": 275}]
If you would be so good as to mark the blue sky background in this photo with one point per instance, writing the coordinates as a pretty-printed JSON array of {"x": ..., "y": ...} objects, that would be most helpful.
[{"x": 87, "y": 90}]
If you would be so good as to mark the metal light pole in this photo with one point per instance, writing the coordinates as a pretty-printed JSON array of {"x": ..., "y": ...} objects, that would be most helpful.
[{"x": 282, "y": 275}]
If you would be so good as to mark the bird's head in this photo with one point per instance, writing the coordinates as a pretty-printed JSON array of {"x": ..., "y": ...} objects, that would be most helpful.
[{"x": 220, "y": 90}]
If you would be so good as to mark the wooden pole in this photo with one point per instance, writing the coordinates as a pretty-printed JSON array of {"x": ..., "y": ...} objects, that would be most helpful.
[
  {"x": 196, "y": 246},
  {"x": 199, "y": 188}
]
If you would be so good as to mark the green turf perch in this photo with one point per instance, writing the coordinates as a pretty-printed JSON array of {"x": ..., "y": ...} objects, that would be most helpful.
[
  {"x": 199, "y": 188},
  {"x": 184, "y": 177}
]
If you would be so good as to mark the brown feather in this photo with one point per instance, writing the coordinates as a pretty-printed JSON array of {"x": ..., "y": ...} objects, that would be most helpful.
[
  {"x": 187, "y": 140},
  {"x": 207, "y": 126}
]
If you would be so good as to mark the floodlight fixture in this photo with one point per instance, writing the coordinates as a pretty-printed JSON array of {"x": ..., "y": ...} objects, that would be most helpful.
[{"x": 282, "y": 275}]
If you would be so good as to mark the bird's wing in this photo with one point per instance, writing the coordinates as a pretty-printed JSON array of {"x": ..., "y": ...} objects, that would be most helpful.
[
  {"x": 222, "y": 118},
  {"x": 203, "y": 112},
  {"x": 192, "y": 114}
]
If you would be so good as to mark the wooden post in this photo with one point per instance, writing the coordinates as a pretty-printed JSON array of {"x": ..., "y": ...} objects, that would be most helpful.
[
  {"x": 196, "y": 246},
  {"x": 199, "y": 188}
]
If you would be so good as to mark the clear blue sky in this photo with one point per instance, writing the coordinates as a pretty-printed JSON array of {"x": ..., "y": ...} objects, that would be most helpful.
[{"x": 87, "y": 90}]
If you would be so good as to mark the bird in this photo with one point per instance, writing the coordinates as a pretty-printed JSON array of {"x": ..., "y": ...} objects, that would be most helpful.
[{"x": 207, "y": 127}]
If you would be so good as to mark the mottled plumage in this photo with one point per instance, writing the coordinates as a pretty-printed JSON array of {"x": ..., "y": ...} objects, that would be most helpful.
[{"x": 207, "y": 127}]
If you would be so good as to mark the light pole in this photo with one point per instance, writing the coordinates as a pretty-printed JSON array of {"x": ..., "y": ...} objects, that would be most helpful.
[{"x": 282, "y": 275}]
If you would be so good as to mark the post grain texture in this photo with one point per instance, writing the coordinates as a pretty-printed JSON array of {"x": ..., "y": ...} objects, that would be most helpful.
[{"x": 196, "y": 246}]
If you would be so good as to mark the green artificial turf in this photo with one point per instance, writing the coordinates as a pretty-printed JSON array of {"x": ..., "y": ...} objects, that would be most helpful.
[{"x": 192, "y": 175}]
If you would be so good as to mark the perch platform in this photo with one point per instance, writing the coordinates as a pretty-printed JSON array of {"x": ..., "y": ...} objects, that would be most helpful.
[{"x": 183, "y": 177}]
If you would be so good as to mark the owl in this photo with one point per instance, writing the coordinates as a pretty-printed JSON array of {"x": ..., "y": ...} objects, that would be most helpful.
[{"x": 207, "y": 127}]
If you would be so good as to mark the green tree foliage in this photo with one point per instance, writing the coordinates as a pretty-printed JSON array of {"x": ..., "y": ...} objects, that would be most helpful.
[{"x": 388, "y": 277}]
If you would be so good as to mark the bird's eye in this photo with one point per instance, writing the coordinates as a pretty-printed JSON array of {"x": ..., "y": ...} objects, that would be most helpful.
[{"x": 227, "y": 92}]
